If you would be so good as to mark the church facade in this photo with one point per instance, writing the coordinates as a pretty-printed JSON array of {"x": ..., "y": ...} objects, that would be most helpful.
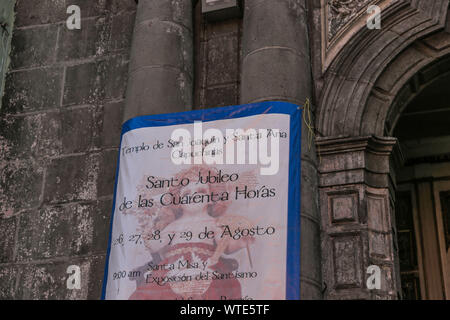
[{"x": 373, "y": 77}]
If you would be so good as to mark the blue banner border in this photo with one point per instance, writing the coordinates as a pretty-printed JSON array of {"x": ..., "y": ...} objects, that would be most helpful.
[{"x": 233, "y": 112}]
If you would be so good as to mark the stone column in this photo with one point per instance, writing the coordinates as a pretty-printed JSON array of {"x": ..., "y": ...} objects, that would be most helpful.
[
  {"x": 356, "y": 206},
  {"x": 161, "y": 63},
  {"x": 276, "y": 66}
]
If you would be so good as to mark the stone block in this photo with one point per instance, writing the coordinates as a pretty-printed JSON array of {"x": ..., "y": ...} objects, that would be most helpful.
[
  {"x": 78, "y": 129},
  {"x": 309, "y": 291},
  {"x": 221, "y": 28},
  {"x": 283, "y": 32},
  {"x": 112, "y": 124},
  {"x": 379, "y": 245},
  {"x": 20, "y": 185},
  {"x": 107, "y": 173},
  {"x": 8, "y": 276},
  {"x": 45, "y": 233},
  {"x": 48, "y": 281},
  {"x": 122, "y": 30},
  {"x": 309, "y": 194},
  {"x": 222, "y": 60},
  {"x": 32, "y": 90},
  {"x": 344, "y": 207},
  {"x": 90, "y": 8},
  {"x": 221, "y": 96},
  {"x": 8, "y": 227},
  {"x": 96, "y": 272},
  {"x": 114, "y": 73},
  {"x": 90, "y": 228},
  {"x": 91, "y": 40},
  {"x": 347, "y": 255},
  {"x": 377, "y": 212},
  {"x": 43, "y": 282},
  {"x": 310, "y": 250},
  {"x": 83, "y": 84},
  {"x": 177, "y": 11},
  {"x": 120, "y": 6},
  {"x": 160, "y": 44},
  {"x": 35, "y": 12},
  {"x": 35, "y": 135},
  {"x": 33, "y": 47},
  {"x": 270, "y": 75},
  {"x": 101, "y": 213},
  {"x": 64, "y": 231},
  {"x": 72, "y": 178},
  {"x": 403, "y": 63},
  {"x": 92, "y": 82},
  {"x": 160, "y": 82}
]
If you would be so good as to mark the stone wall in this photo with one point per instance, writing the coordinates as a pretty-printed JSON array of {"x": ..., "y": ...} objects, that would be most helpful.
[
  {"x": 218, "y": 54},
  {"x": 59, "y": 134},
  {"x": 64, "y": 105}
]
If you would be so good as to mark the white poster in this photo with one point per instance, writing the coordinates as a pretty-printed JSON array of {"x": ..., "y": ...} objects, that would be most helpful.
[{"x": 206, "y": 206}]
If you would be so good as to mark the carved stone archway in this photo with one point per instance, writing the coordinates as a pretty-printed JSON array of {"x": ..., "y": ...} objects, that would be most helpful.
[
  {"x": 368, "y": 77},
  {"x": 355, "y": 69}
]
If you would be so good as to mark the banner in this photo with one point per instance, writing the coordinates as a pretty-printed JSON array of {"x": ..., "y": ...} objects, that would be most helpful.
[{"x": 207, "y": 206}]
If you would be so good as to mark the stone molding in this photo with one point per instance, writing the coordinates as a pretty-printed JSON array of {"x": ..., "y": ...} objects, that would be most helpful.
[
  {"x": 340, "y": 21},
  {"x": 360, "y": 60},
  {"x": 357, "y": 226}
]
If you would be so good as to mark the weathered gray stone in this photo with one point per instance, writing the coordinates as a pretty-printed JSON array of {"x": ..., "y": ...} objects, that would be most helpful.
[
  {"x": 161, "y": 78},
  {"x": 64, "y": 231},
  {"x": 122, "y": 30},
  {"x": 355, "y": 212},
  {"x": 45, "y": 233},
  {"x": 310, "y": 248},
  {"x": 217, "y": 62},
  {"x": 221, "y": 28},
  {"x": 8, "y": 227},
  {"x": 107, "y": 173},
  {"x": 92, "y": 82},
  {"x": 276, "y": 66},
  {"x": 177, "y": 11},
  {"x": 91, "y": 228},
  {"x": 91, "y": 8},
  {"x": 154, "y": 40},
  {"x": 83, "y": 84},
  {"x": 222, "y": 60},
  {"x": 32, "y": 90},
  {"x": 44, "y": 282},
  {"x": 48, "y": 195},
  {"x": 101, "y": 213},
  {"x": 72, "y": 178},
  {"x": 20, "y": 185},
  {"x": 111, "y": 124},
  {"x": 287, "y": 21},
  {"x": 115, "y": 77},
  {"x": 96, "y": 272},
  {"x": 33, "y": 47},
  {"x": 222, "y": 96},
  {"x": 78, "y": 130},
  {"x": 35, "y": 12},
  {"x": 31, "y": 135},
  {"x": 8, "y": 275},
  {"x": 91, "y": 40},
  {"x": 120, "y": 6},
  {"x": 150, "y": 93},
  {"x": 286, "y": 82}
]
